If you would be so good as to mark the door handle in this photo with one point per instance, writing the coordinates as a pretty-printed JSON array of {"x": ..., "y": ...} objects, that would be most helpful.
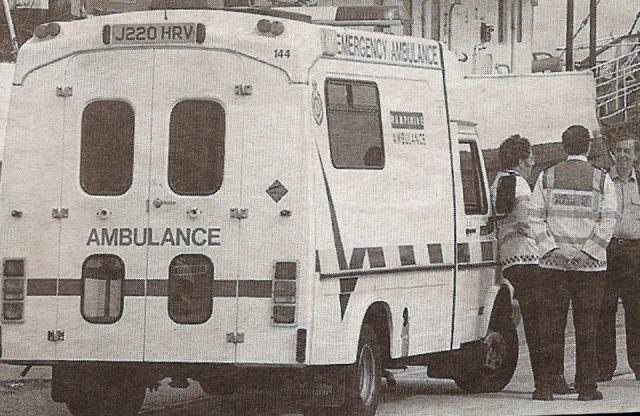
[
  {"x": 159, "y": 202},
  {"x": 470, "y": 231}
]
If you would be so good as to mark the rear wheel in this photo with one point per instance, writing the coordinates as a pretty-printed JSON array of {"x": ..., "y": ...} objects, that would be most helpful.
[
  {"x": 499, "y": 360},
  {"x": 97, "y": 396},
  {"x": 363, "y": 379}
]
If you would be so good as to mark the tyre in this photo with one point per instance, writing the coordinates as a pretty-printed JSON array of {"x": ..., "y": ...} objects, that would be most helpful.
[
  {"x": 499, "y": 360},
  {"x": 363, "y": 380},
  {"x": 107, "y": 397}
]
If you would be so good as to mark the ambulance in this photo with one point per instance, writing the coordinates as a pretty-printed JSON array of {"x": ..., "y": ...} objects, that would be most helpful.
[{"x": 247, "y": 200}]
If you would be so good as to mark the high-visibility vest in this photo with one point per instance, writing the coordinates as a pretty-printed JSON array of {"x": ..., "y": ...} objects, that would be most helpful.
[
  {"x": 577, "y": 215},
  {"x": 511, "y": 197}
]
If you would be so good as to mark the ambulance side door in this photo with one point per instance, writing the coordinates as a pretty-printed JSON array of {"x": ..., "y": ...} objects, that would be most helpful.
[{"x": 476, "y": 240}]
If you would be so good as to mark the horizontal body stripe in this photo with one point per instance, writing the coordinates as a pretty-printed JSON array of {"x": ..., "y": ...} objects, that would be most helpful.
[
  {"x": 155, "y": 288},
  {"x": 350, "y": 273}
]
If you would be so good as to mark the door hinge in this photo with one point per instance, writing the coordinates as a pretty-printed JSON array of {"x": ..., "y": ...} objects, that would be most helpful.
[
  {"x": 55, "y": 335},
  {"x": 235, "y": 337},
  {"x": 240, "y": 213},
  {"x": 60, "y": 213},
  {"x": 64, "y": 92},
  {"x": 244, "y": 89}
]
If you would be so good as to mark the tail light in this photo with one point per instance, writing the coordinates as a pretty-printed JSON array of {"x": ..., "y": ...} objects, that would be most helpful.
[
  {"x": 284, "y": 292},
  {"x": 13, "y": 290},
  {"x": 47, "y": 30}
]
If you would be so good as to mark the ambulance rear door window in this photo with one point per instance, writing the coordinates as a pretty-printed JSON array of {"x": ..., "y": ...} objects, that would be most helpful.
[
  {"x": 106, "y": 155},
  {"x": 196, "y": 147},
  {"x": 355, "y": 127},
  {"x": 102, "y": 298}
]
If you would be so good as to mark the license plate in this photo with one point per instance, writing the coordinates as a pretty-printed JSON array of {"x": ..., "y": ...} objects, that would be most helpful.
[{"x": 154, "y": 33}]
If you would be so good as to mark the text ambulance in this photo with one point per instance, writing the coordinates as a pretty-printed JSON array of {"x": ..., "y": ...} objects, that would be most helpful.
[{"x": 246, "y": 200}]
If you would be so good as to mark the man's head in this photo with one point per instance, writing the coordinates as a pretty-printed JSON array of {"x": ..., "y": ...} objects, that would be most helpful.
[
  {"x": 576, "y": 140},
  {"x": 515, "y": 153},
  {"x": 626, "y": 151}
]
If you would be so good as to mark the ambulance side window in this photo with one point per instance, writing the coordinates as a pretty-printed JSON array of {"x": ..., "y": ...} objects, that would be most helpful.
[
  {"x": 190, "y": 289},
  {"x": 102, "y": 295},
  {"x": 475, "y": 200},
  {"x": 196, "y": 147},
  {"x": 106, "y": 154},
  {"x": 355, "y": 127}
]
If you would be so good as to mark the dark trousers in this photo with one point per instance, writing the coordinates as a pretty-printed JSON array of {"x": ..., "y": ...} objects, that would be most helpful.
[
  {"x": 584, "y": 291},
  {"x": 533, "y": 294},
  {"x": 623, "y": 281}
]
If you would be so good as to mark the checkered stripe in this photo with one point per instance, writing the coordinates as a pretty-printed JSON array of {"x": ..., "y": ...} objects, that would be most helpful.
[
  {"x": 406, "y": 256},
  {"x": 525, "y": 259}
]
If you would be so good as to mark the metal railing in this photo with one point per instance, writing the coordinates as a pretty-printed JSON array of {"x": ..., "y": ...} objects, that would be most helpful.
[{"x": 618, "y": 87}]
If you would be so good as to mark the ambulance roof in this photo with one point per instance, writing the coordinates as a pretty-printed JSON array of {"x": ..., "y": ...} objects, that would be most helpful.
[{"x": 232, "y": 31}]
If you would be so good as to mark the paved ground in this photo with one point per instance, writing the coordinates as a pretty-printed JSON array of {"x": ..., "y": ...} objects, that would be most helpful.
[{"x": 415, "y": 394}]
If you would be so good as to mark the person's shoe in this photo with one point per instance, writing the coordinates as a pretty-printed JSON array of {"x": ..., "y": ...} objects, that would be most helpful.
[
  {"x": 560, "y": 386},
  {"x": 588, "y": 395},
  {"x": 542, "y": 394}
]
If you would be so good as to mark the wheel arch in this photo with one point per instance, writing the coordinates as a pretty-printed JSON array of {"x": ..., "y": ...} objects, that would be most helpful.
[
  {"x": 379, "y": 317},
  {"x": 500, "y": 302}
]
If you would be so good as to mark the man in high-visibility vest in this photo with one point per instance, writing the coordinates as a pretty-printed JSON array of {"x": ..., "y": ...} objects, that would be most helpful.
[{"x": 573, "y": 215}]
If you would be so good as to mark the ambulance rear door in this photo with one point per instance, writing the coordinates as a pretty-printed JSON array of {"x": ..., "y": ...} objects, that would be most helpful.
[
  {"x": 107, "y": 137},
  {"x": 194, "y": 196}
]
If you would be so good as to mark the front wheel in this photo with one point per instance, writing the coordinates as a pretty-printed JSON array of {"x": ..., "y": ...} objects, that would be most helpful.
[
  {"x": 499, "y": 361},
  {"x": 363, "y": 379}
]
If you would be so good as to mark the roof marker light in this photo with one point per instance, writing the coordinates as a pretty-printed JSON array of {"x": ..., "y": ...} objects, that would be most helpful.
[
  {"x": 264, "y": 26},
  {"x": 277, "y": 28},
  {"x": 47, "y": 29},
  {"x": 41, "y": 31},
  {"x": 106, "y": 34},
  {"x": 201, "y": 32},
  {"x": 53, "y": 29}
]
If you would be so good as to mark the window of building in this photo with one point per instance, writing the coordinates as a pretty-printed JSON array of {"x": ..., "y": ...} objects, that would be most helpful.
[
  {"x": 519, "y": 25},
  {"x": 196, "y": 147},
  {"x": 435, "y": 20},
  {"x": 190, "y": 289},
  {"x": 475, "y": 199},
  {"x": 355, "y": 128},
  {"x": 102, "y": 289},
  {"x": 106, "y": 155},
  {"x": 502, "y": 21}
]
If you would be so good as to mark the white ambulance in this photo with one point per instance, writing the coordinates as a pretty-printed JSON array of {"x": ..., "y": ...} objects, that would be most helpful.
[{"x": 247, "y": 200}]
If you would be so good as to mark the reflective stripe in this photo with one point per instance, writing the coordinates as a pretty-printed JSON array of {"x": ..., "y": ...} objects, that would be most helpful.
[
  {"x": 599, "y": 241},
  {"x": 548, "y": 179},
  {"x": 538, "y": 212},
  {"x": 573, "y": 213},
  {"x": 540, "y": 237},
  {"x": 598, "y": 187},
  {"x": 565, "y": 239}
]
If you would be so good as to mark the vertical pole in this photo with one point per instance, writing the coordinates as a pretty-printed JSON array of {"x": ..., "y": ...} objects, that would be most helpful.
[
  {"x": 593, "y": 8},
  {"x": 569, "y": 43},
  {"x": 12, "y": 29}
]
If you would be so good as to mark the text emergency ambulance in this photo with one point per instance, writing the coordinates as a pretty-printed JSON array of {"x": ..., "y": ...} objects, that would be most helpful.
[{"x": 246, "y": 200}]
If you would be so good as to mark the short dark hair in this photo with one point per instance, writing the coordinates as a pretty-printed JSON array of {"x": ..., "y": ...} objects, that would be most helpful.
[
  {"x": 629, "y": 136},
  {"x": 575, "y": 140},
  {"x": 512, "y": 150}
]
